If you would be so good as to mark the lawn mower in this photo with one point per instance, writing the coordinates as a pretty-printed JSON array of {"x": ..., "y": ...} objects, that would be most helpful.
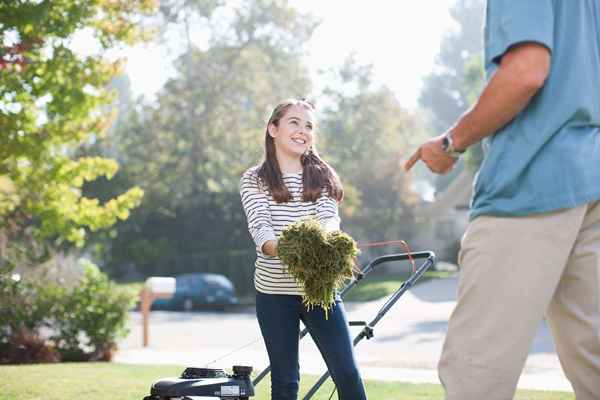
[{"x": 205, "y": 383}]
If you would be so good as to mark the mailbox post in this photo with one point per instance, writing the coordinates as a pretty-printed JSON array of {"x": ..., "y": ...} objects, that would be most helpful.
[{"x": 155, "y": 287}]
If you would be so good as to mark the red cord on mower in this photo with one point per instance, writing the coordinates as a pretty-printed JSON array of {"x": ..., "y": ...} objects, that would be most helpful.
[{"x": 402, "y": 242}]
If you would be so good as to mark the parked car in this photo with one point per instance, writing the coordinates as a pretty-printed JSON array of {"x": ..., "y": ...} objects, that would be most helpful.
[{"x": 199, "y": 290}]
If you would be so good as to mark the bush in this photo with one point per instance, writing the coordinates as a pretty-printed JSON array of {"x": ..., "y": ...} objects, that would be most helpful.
[
  {"x": 24, "y": 311},
  {"x": 91, "y": 317},
  {"x": 85, "y": 321},
  {"x": 26, "y": 347}
]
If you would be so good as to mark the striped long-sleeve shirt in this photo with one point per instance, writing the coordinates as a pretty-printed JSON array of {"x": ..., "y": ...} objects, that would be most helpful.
[{"x": 267, "y": 219}]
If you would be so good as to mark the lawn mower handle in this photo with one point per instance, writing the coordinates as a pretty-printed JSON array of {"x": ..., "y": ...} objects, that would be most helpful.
[
  {"x": 367, "y": 331},
  {"x": 429, "y": 255}
]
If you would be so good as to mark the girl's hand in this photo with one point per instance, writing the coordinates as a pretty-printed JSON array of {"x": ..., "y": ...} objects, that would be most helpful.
[{"x": 270, "y": 248}]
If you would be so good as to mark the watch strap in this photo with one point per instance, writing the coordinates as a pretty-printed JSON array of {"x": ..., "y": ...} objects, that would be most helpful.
[{"x": 448, "y": 146}]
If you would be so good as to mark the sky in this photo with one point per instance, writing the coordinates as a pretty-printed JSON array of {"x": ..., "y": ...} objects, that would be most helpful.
[{"x": 400, "y": 39}]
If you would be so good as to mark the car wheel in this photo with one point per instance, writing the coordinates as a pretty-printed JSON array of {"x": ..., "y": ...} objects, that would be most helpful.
[{"x": 188, "y": 305}]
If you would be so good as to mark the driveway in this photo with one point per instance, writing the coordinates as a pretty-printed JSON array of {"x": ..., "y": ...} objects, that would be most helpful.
[{"x": 406, "y": 345}]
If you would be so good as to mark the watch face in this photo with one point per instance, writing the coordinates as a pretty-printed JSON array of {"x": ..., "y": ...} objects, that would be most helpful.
[{"x": 445, "y": 142}]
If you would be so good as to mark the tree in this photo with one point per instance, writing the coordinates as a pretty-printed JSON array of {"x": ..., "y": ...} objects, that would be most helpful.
[
  {"x": 188, "y": 150},
  {"x": 449, "y": 90},
  {"x": 444, "y": 94},
  {"x": 366, "y": 133},
  {"x": 51, "y": 104}
]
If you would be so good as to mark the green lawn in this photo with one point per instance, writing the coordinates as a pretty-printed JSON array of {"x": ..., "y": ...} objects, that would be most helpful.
[
  {"x": 101, "y": 381},
  {"x": 375, "y": 286}
]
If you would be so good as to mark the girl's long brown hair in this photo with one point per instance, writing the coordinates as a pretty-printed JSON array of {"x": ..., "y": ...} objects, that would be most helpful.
[{"x": 316, "y": 173}]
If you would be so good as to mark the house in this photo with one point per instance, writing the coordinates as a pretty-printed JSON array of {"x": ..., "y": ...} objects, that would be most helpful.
[{"x": 443, "y": 221}]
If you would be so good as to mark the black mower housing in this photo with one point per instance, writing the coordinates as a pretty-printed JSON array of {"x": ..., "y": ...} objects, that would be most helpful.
[{"x": 195, "y": 383}]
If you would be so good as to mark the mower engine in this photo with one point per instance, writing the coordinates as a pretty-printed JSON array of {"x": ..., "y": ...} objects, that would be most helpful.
[{"x": 205, "y": 383}]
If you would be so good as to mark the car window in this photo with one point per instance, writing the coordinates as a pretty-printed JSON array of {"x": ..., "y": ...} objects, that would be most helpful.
[
  {"x": 218, "y": 280},
  {"x": 195, "y": 282}
]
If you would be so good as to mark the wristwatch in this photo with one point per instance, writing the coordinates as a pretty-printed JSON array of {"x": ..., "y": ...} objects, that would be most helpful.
[{"x": 448, "y": 146}]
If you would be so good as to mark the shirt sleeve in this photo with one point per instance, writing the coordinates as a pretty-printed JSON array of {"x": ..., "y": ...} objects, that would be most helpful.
[
  {"x": 256, "y": 207},
  {"x": 327, "y": 213},
  {"x": 510, "y": 22}
]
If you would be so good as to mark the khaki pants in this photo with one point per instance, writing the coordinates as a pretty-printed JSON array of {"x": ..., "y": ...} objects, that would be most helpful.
[{"x": 513, "y": 271}]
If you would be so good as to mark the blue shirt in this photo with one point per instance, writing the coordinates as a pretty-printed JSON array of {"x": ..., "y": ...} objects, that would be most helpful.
[{"x": 548, "y": 157}]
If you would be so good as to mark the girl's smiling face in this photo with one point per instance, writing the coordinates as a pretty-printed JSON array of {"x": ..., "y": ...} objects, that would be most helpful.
[{"x": 294, "y": 133}]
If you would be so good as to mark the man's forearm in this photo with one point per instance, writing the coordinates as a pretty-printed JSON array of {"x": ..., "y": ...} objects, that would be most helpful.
[{"x": 507, "y": 93}]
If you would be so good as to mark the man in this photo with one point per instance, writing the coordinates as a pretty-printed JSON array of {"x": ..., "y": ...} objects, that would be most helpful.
[{"x": 532, "y": 246}]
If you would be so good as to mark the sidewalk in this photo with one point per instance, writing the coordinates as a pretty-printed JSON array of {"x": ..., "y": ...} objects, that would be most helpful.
[{"x": 406, "y": 345}]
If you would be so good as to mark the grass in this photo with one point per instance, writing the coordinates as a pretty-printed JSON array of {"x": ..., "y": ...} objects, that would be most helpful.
[
  {"x": 100, "y": 381},
  {"x": 375, "y": 286}
]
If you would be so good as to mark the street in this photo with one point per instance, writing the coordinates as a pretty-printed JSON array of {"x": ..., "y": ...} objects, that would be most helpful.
[{"x": 405, "y": 347}]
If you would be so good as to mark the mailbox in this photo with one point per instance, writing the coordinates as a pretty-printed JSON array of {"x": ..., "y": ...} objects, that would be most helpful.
[
  {"x": 161, "y": 284},
  {"x": 155, "y": 287}
]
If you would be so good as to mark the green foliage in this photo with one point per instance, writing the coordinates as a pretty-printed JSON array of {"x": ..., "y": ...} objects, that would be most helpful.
[
  {"x": 366, "y": 135},
  {"x": 455, "y": 82},
  {"x": 95, "y": 308},
  {"x": 445, "y": 95},
  {"x": 25, "y": 309},
  {"x": 206, "y": 126},
  {"x": 86, "y": 320},
  {"x": 188, "y": 149},
  {"x": 51, "y": 104},
  {"x": 321, "y": 261},
  {"x": 24, "y": 306}
]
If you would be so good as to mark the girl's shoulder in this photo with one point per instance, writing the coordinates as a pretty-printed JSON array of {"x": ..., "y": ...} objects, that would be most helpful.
[
  {"x": 251, "y": 172},
  {"x": 250, "y": 179}
]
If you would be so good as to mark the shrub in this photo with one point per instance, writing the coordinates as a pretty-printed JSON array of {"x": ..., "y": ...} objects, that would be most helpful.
[
  {"x": 84, "y": 321},
  {"x": 24, "y": 310},
  {"x": 91, "y": 318},
  {"x": 27, "y": 347}
]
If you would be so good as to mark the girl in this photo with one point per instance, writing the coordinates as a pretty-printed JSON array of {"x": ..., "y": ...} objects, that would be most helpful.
[{"x": 292, "y": 183}]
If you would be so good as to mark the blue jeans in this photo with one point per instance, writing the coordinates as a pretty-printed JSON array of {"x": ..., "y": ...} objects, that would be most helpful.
[{"x": 279, "y": 319}]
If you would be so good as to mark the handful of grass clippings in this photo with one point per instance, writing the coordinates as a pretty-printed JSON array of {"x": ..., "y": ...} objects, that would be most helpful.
[{"x": 321, "y": 261}]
